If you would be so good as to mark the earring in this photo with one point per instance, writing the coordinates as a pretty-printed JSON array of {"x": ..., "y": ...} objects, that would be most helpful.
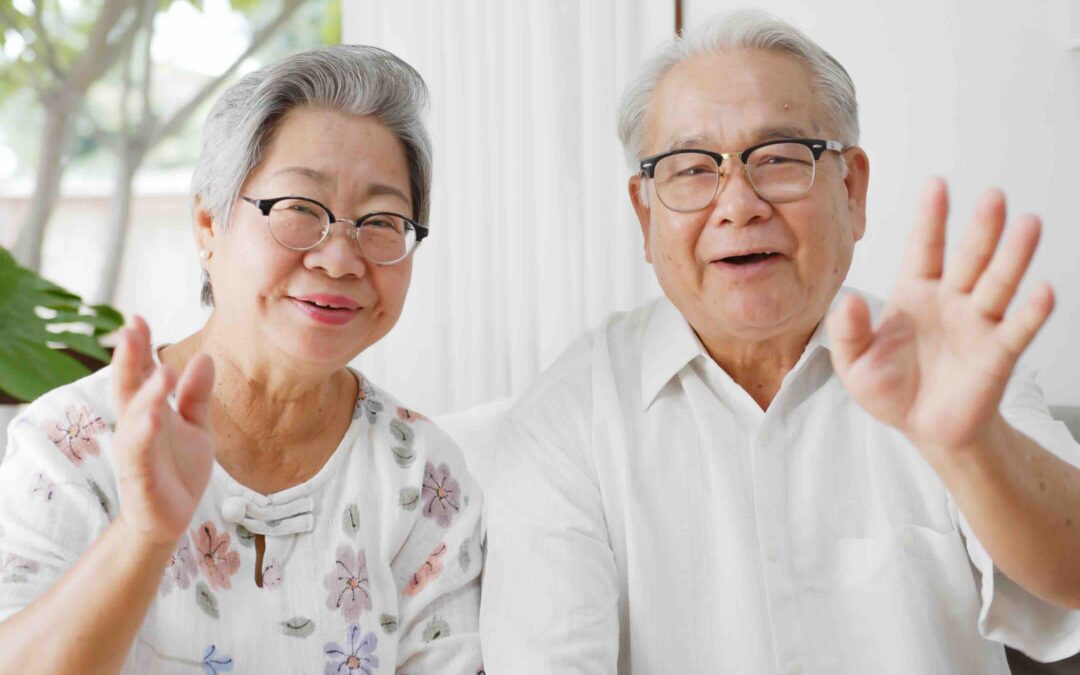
[{"x": 204, "y": 254}]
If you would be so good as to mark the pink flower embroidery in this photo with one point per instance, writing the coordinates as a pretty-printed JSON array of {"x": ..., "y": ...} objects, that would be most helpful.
[
  {"x": 429, "y": 571},
  {"x": 217, "y": 562},
  {"x": 76, "y": 436},
  {"x": 348, "y": 583},
  {"x": 406, "y": 415},
  {"x": 16, "y": 569},
  {"x": 440, "y": 494},
  {"x": 181, "y": 568}
]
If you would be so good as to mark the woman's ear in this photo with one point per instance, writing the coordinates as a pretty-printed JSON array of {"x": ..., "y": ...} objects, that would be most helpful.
[{"x": 203, "y": 228}]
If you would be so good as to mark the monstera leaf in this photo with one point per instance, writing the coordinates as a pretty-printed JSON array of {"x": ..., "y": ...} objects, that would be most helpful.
[{"x": 38, "y": 348}]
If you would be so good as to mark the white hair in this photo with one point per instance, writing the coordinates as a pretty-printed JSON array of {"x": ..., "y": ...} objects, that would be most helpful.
[
  {"x": 739, "y": 29},
  {"x": 355, "y": 80}
]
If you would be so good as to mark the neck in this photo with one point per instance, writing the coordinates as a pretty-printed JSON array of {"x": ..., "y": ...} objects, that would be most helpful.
[
  {"x": 261, "y": 408},
  {"x": 758, "y": 366}
]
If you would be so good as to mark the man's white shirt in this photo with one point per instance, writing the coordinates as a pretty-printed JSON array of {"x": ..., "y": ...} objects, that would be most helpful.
[{"x": 646, "y": 516}]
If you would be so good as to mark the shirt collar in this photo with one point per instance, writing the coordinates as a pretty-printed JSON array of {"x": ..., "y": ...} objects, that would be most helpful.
[{"x": 669, "y": 343}]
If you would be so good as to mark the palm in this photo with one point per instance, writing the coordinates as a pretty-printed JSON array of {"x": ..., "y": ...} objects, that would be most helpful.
[
  {"x": 937, "y": 364},
  {"x": 163, "y": 455}
]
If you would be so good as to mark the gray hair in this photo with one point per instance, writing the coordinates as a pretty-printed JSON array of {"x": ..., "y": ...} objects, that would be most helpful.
[
  {"x": 355, "y": 80},
  {"x": 739, "y": 29}
]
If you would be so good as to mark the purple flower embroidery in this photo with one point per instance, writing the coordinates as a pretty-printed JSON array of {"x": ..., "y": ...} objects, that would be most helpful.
[
  {"x": 181, "y": 569},
  {"x": 212, "y": 663},
  {"x": 75, "y": 436},
  {"x": 15, "y": 569},
  {"x": 273, "y": 574},
  {"x": 440, "y": 494},
  {"x": 43, "y": 487},
  {"x": 348, "y": 583},
  {"x": 357, "y": 659}
]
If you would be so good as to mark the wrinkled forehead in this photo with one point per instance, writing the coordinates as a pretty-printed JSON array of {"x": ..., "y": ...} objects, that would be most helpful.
[{"x": 732, "y": 99}]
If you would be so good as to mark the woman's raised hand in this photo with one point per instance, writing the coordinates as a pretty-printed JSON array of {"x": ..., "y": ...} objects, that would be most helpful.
[{"x": 163, "y": 456}]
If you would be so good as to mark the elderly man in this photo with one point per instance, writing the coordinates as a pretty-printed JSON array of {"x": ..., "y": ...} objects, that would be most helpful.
[{"x": 763, "y": 472}]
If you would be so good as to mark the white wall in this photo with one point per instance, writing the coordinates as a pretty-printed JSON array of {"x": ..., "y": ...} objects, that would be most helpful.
[{"x": 982, "y": 94}]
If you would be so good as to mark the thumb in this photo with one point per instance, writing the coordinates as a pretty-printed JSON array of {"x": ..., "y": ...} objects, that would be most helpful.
[
  {"x": 850, "y": 332},
  {"x": 194, "y": 389}
]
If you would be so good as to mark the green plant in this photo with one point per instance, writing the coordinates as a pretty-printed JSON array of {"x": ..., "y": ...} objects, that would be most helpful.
[{"x": 48, "y": 336}]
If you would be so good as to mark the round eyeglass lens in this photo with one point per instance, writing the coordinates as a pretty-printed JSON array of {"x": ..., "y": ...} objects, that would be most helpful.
[
  {"x": 386, "y": 238},
  {"x": 781, "y": 172},
  {"x": 686, "y": 181},
  {"x": 298, "y": 223}
]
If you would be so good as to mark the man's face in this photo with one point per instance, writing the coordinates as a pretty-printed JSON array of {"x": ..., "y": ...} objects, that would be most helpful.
[{"x": 727, "y": 102}]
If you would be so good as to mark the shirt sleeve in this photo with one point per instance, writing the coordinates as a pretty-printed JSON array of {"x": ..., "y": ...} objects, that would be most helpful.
[
  {"x": 55, "y": 496},
  {"x": 551, "y": 592},
  {"x": 437, "y": 570},
  {"x": 1010, "y": 614}
]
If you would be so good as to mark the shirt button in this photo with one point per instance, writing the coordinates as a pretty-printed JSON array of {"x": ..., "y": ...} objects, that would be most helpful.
[
  {"x": 773, "y": 555},
  {"x": 794, "y": 670},
  {"x": 763, "y": 438}
]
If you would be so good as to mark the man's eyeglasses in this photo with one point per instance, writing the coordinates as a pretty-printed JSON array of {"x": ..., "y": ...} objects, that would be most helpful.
[
  {"x": 301, "y": 224},
  {"x": 779, "y": 171}
]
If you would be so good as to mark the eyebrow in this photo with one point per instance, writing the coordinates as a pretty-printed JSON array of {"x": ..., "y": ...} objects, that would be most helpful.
[
  {"x": 373, "y": 190},
  {"x": 766, "y": 134}
]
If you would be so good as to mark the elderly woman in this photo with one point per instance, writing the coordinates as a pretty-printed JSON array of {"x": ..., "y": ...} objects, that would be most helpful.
[{"x": 241, "y": 500}]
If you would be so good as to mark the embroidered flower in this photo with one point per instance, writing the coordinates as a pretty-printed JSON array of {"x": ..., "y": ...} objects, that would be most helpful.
[
  {"x": 212, "y": 663},
  {"x": 273, "y": 574},
  {"x": 217, "y": 562},
  {"x": 76, "y": 436},
  {"x": 15, "y": 569},
  {"x": 181, "y": 568},
  {"x": 440, "y": 494},
  {"x": 357, "y": 659},
  {"x": 367, "y": 404},
  {"x": 348, "y": 583},
  {"x": 406, "y": 415},
  {"x": 431, "y": 569},
  {"x": 43, "y": 487}
]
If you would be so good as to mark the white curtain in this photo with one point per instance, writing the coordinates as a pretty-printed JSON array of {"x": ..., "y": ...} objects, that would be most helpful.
[{"x": 533, "y": 240}]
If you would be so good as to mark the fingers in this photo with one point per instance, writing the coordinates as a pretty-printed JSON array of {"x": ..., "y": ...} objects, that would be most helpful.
[
  {"x": 980, "y": 241},
  {"x": 143, "y": 418},
  {"x": 926, "y": 250},
  {"x": 850, "y": 332},
  {"x": 997, "y": 285},
  {"x": 132, "y": 362},
  {"x": 1019, "y": 329},
  {"x": 193, "y": 391}
]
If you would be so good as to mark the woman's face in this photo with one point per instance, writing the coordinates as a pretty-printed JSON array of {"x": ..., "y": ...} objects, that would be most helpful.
[{"x": 268, "y": 295}]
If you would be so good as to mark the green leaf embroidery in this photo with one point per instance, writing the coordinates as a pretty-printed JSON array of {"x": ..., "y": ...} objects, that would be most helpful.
[
  {"x": 409, "y": 498},
  {"x": 298, "y": 626},
  {"x": 246, "y": 538},
  {"x": 404, "y": 456},
  {"x": 350, "y": 520},
  {"x": 401, "y": 432},
  {"x": 207, "y": 601},
  {"x": 388, "y": 623},
  {"x": 464, "y": 557},
  {"x": 106, "y": 505},
  {"x": 436, "y": 628}
]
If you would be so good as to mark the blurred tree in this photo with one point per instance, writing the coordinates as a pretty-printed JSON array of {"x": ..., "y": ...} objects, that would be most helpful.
[{"x": 68, "y": 49}]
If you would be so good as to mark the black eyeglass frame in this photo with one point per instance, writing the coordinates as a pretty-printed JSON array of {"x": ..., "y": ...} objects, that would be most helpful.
[
  {"x": 817, "y": 146},
  {"x": 266, "y": 205}
]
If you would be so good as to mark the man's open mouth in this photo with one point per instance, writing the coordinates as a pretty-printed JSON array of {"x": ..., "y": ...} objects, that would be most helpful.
[{"x": 748, "y": 258}]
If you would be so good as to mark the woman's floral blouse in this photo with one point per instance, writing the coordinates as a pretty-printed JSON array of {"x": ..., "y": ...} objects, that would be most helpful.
[{"x": 370, "y": 567}]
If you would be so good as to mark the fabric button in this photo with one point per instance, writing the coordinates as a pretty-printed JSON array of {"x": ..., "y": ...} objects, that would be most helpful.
[{"x": 233, "y": 509}]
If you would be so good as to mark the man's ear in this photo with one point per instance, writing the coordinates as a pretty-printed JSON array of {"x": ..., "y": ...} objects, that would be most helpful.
[
  {"x": 856, "y": 181},
  {"x": 640, "y": 200}
]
